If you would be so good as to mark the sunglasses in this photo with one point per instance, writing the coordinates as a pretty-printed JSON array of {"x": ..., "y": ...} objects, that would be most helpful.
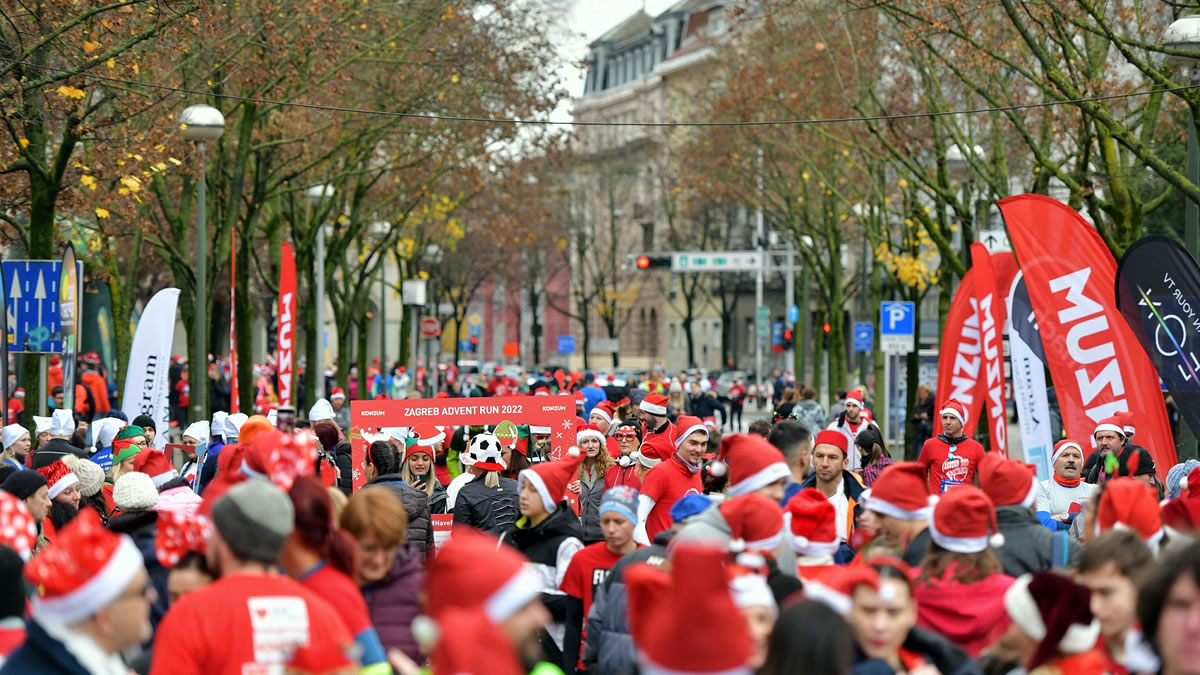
[{"x": 625, "y": 436}]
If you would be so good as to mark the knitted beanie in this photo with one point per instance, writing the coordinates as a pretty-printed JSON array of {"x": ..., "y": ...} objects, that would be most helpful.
[
  {"x": 91, "y": 477},
  {"x": 135, "y": 492}
]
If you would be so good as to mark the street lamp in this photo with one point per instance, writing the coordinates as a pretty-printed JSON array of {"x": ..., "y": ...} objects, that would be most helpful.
[
  {"x": 201, "y": 123},
  {"x": 1184, "y": 34},
  {"x": 315, "y": 194}
]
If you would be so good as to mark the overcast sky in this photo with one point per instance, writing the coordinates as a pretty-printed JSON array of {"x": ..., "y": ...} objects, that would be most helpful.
[{"x": 589, "y": 20}]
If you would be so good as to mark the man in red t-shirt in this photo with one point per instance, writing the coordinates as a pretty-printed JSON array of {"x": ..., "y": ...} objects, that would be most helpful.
[
  {"x": 590, "y": 566},
  {"x": 16, "y": 407},
  {"x": 951, "y": 458},
  {"x": 669, "y": 481},
  {"x": 251, "y": 619}
]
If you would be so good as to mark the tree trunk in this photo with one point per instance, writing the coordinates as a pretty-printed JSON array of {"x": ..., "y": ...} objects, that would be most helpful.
[
  {"x": 314, "y": 366},
  {"x": 244, "y": 314},
  {"x": 364, "y": 379},
  {"x": 817, "y": 352}
]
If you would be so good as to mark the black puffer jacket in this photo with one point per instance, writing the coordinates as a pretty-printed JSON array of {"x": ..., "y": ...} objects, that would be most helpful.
[
  {"x": 492, "y": 510},
  {"x": 937, "y": 650},
  {"x": 416, "y": 505},
  {"x": 439, "y": 498},
  {"x": 345, "y": 465}
]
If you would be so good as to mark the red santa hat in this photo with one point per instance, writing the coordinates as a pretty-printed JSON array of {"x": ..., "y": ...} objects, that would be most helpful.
[
  {"x": 855, "y": 397},
  {"x": 654, "y": 404},
  {"x": 337, "y": 393},
  {"x": 82, "y": 571},
  {"x": 1063, "y": 445},
  {"x": 472, "y": 570},
  {"x": 953, "y": 407},
  {"x": 1007, "y": 482},
  {"x": 179, "y": 533},
  {"x": 473, "y": 644},
  {"x": 653, "y": 450},
  {"x": 962, "y": 521},
  {"x": 155, "y": 464},
  {"x": 755, "y": 522},
  {"x": 1112, "y": 424},
  {"x": 813, "y": 523},
  {"x": 836, "y": 587},
  {"x": 17, "y": 529},
  {"x": 710, "y": 423},
  {"x": 427, "y": 435},
  {"x": 1055, "y": 611},
  {"x": 1181, "y": 516},
  {"x": 604, "y": 410},
  {"x": 753, "y": 463},
  {"x": 687, "y": 425},
  {"x": 585, "y": 431},
  {"x": 550, "y": 478},
  {"x": 664, "y": 611},
  {"x": 58, "y": 477},
  {"x": 1129, "y": 504},
  {"x": 901, "y": 491},
  {"x": 835, "y": 438},
  {"x": 1127, "y": 424},
  {"x": 1190, "y": 484}
]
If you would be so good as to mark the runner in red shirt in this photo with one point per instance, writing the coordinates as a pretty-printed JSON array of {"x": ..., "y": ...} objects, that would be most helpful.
[
  {"x": 672, "y": 479},
  {"x": 951, "y": 458},
  {"x": 590, "y": 566},
  {"x": 250, "y": 620}
]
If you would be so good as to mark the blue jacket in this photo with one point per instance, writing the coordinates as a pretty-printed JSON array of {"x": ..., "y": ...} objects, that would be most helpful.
[
  {"x": 41, "y": 653},
  {"x": 209, "y": 470}
]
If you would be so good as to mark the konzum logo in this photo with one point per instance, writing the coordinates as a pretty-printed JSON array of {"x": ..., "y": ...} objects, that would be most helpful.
[{"x": 372, "y": 413}]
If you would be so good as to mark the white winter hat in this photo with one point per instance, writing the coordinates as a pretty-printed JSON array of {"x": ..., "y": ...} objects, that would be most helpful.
[
  {"x": 62, "y": 423},
  {"x": 11, "y": 434},
  {"x": 135, "y": 492},
  {"x": 233, "y": 426},
  {"x": 41, "y": 424},
  {"x": 197, "y": 430},
  {"x": 105, "y": 430},
  {"x": 321, "y": 410},
  {"x": 217, "y": 427}
]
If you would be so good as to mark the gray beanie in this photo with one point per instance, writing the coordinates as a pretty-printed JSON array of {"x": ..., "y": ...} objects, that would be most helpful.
[
  {"x": 91, "y": 477},
  {"x": 254, "y": 518}
]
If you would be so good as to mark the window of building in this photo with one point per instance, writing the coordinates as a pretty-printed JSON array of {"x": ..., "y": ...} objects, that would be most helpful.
[{"x": 648, "y": 236}]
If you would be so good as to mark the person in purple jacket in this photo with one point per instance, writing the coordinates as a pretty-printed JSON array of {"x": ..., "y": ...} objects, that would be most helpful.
[{"x": 390, "y": 570}]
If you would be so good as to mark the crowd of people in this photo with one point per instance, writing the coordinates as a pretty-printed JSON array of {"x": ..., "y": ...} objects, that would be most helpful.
[{"x": 652, "y": 543}]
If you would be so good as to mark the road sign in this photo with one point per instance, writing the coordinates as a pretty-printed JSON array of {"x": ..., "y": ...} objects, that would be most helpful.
[
  {"x": 793, "y": 314},
  {"x": 31, "y": 301},
  {"x": 566, "y": 344},
  {"x": 996, "y": 241},
  {"x": 605, "y": 345},
  {"x": 464, "y": 345},
  {"x": 896, "y": 321},
  {"x": 715, "y": 261},
  {"x": 430, "y": 327},
  {"x": 764, "y": 317},
  {"x": 864, "y": 336}
]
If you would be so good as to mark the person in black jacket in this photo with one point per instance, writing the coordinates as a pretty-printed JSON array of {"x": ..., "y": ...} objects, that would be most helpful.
[
  {"x": 338, "y": 448},
  {"x": 383, "y": 468},
  {"x": 488, "y": 502},
  {"x": 549, "y": 534}
]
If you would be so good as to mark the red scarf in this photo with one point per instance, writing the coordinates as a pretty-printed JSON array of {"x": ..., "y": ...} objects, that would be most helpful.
[{"x": 1066, "y": 483}]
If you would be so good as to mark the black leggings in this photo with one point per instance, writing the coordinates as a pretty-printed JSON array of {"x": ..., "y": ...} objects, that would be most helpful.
[{"x": 735, "y": 413}]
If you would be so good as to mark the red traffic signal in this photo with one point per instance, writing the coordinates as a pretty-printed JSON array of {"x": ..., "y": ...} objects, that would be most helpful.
[
  {"x": 643, "y": 262},
  {"x": 650, "y": 262},
  {"x": 827, "y": 328}
]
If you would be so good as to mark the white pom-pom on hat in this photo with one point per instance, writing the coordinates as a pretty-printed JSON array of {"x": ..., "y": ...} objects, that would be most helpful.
[
  {"x": 717, "y": 469},
  {"x": 425, "y": 632},
  {"x": 574, "y": 451},
  {"x": 996, "y": 540},
  {"x": 933, "y": 500}
]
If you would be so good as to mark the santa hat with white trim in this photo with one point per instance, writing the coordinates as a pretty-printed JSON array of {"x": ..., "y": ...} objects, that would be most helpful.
[
  {"x": 962, "y": 521},
  {"x": 754, "y": 521},
  {"x": 155, "y": 464},
  {"x": 953, "y": 407},
  {"x": 604, "y": 410},
  {"x": 1062, "y": 446},
  {"x": 901, "y": 491},
  {"x": 1007, "y": 482},
  {"x": 664, "y": 611},
  {"x": 854, "y": 397},
  {"x": 1112, "y": 424},
  {"x": 687, "y": 425},
  {"x": 585, "y": 431},
  {"x": 813, "y": 523},
  {"x": 58, "y": 478},
  {"x": 1129, "y": 504},
  {"x": 550, "y": 478},
  {"x": 654, "y": 404},
  {"x": 753, "y": 463},
  {"x": 711, "y": 423},
  {"x": 82, "y": 571},
  {"x": 653, "y": 450},
  {"x": 427, "y": 435},
  {"x": 835, "y": 589},
  {"x": 1128, "y": 425},
  {"x": 1055, "y": 611}
]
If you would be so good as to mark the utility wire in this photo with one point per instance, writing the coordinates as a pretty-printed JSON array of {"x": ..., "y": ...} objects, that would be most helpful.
[{"x": 529, "y": 122}]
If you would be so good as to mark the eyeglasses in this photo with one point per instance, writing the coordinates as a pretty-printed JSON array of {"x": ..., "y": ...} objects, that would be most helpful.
[{"x": 625, "y": 436}]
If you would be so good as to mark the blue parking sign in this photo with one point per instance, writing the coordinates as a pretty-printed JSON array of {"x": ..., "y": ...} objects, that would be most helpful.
[
  {"x": 864, "y": 336},
  {"x": 566, "y": 344}
]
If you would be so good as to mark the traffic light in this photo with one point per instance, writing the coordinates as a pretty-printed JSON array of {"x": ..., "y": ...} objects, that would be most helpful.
[
  {"x": 650, "y": 262},
  {"x": 788, "y": 339},
  {"x": 474, "y": 344}
]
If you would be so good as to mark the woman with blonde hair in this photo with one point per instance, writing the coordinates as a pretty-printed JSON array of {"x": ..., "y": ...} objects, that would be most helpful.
[{"x": 590, "y": 484}]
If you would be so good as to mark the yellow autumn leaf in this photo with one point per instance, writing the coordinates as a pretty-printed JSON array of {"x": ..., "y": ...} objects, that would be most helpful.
[
  {"x": 24, "y": 142},
  {"x": 131, "y": 182},
  {"x": 182, "y": 126},
  {"x": 343, "y": 220},
  {"x": 160, "y": 166},
  {"x": 423, "y": 275},
  {"x": 111, "y": 63},
  {"x": 160, "y": 147},
  {"x": 174, "y": 161},
  {"x": 90, "y": 46},
  {"x": 88, "y": 182},
  {"x": 101, "y": 212},
  {"x": 454, "y": 78},
  {"x": 67, "y": 91}
]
